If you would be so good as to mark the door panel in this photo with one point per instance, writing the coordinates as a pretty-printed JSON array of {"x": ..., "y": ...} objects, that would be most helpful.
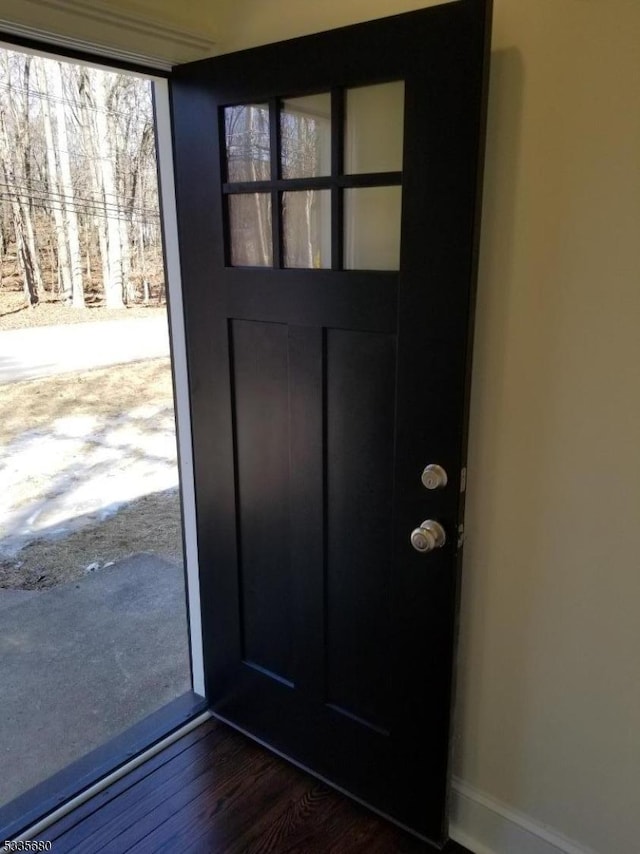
[
  {"x": 319, "y": 392},
  {"x": 359, "y": 475},
  {"x": 259, "y": 360}
]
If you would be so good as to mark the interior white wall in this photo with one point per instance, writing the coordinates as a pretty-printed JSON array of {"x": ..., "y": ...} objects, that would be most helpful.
[{"x": 549, "y": 703}]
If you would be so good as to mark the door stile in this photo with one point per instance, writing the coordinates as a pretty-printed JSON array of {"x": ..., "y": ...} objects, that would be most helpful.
[
  {"x": 276, "y": 207},
  {"x": 307, "y": 510},
  {"x": 337, "y": 194}
]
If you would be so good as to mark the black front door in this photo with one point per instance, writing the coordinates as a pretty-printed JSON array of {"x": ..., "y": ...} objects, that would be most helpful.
[{"x": 328, "y": 203}]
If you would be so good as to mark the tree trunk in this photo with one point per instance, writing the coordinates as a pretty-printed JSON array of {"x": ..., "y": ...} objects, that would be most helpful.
[
  {"x": 87, "y": 237},
  {"x": 307, "y": 216},
  {"x": 264, "y": 232},
  {"x": 2, "y": 248},
  {"x": 26, "y": 199},
  {"x": 87, "y": 86},
  {"x": 53, "y": 266},
  {"x": 64, "y": 263},
  {"x": 113, "y": 285},
  {"x": 25, "y": 259},
  {"x": 56, "y": 91},
  {"x": 143, "y": 263},
  {"x": 26, "y": 262},
  {"x": 125, "y": 250}
]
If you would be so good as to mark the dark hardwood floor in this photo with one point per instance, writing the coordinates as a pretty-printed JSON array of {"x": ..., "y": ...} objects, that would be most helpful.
[{"x": 216, "y": 792}]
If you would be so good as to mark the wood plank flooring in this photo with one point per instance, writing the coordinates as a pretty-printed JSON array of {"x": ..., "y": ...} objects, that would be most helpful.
[{"x": 216, "y": 792}]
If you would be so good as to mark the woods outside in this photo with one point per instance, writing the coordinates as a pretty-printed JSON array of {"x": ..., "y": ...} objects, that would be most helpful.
[
  {"x": 79, "y": 213},
  {"x": 79, "y": 219},
  {"x": 92, "y": 601},
  {"x": 88, "y": 458}
]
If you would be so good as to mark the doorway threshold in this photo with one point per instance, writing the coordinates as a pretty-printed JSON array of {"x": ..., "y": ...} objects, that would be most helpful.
[
  {"x": 30, "y": 807},
  {"x": 216, "y": 790}
]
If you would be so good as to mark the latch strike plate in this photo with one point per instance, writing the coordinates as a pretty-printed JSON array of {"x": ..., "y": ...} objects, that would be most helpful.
[{"x": 460, "y": 536}]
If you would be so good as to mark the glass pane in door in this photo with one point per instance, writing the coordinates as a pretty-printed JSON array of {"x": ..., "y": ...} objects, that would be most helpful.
[
  {"x": 372, "y": 228},
  {"x": 250, "y": 230},
  {"x": 306, "y": 219},
  {"x": 247, "y": 142},
  {"x": 305, "y": 129},
  {"x": 374, "y": 128}
]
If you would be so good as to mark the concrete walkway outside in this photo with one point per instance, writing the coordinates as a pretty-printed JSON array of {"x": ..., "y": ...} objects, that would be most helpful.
[
  {"x": 42, "y": 351},
  {"x": 82, "y": 662}
]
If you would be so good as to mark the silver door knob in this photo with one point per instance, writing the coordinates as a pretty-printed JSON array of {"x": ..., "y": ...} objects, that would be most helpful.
[
  {"x": 429, "y": 536},
  {"x": 434, "y": 477}
]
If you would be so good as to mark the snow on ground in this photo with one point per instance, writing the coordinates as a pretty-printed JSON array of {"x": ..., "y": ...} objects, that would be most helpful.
[{"x": 80, "y": 470}]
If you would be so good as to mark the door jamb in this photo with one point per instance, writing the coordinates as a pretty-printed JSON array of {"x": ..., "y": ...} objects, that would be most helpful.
[{"x": 166, "y": 177}]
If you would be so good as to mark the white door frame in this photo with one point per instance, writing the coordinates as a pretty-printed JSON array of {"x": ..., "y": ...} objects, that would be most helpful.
[{"x": 164, "y": 147}]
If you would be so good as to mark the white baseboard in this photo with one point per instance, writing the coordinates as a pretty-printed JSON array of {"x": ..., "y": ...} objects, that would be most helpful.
[{"x": 484, "y": 825}]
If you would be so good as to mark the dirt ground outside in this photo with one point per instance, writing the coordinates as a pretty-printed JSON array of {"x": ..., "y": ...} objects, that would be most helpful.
[
  {"x": 51, "y": 311},
  {"x": 89, "y": 472}
]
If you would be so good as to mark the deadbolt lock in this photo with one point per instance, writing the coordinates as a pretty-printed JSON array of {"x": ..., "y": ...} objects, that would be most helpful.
[
  {"x": 428, "y": 537},
  {"x": 434, "y": 477}
]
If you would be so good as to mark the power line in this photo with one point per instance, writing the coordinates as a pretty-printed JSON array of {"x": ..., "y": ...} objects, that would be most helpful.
[
  {"x": 112, "y": 157},
  {"x": 56, "y": 203},
  {"x": 148, "y": 172},
  {"x": 147, "y": 169},
  {"x": 83, "y": 178},
  {"x": 63, "y": 198},
  {"x": 86, "y": 209},
  {"x": 57, "y": 99}
]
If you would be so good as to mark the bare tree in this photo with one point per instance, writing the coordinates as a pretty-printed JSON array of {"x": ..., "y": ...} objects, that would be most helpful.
[
  {"x": 247, "y": 134},
  {"x": 78, "y": 184},
  {"x": 23, "y": 136},
  {"x": 15, "y": 171},
  {"x": 24, "y": 250},
  {"x": 113, "y": 284},
  {"x": 55, "y": 82},
  {"x": 54, "y": 185}
]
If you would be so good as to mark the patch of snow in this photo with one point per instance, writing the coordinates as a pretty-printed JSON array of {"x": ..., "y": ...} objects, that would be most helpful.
[{"x": 84, "y": 469}]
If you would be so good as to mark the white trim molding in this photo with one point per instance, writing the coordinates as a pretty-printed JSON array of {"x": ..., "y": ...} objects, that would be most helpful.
[
  {"x": 179, "y": 358},
  {"x": 167, "y": 43},
  {"x": 487, "y": 826},
  {"x": 67, "y": 43},
  {"x": 98, "y": 10}
]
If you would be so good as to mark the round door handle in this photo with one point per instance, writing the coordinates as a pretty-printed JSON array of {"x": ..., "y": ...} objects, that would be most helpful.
[
  {"x": 434, "y": 477},
  {"x": 429, "y": 536}
]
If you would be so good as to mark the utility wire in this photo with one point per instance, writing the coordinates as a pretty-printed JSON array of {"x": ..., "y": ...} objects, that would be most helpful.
[
  {"x": 57, "y": 99},
  {"x": 82, "y": 154},
  {"x": 88, "y": 210},
  {"x": 78, "y": 188},
  {"x": 147, "y": 174},
  {"x": 62, "y": 198}
]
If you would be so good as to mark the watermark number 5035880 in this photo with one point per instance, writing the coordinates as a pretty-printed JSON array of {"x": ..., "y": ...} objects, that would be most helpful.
[{"x": 26, "y": 845}]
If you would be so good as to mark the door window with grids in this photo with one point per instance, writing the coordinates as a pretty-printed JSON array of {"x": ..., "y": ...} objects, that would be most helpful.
[{"x": 315, "y": 182}]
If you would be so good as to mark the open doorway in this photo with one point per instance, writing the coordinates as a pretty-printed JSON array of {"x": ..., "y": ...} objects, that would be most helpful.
[{"x": 96, "y": 655}]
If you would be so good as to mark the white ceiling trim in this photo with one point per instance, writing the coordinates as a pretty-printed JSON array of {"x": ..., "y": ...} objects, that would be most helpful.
[
  {"x": 102, "y": 12},
  {"x": 67, "y": 43},
  {"x": 98, "y": 10}
]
